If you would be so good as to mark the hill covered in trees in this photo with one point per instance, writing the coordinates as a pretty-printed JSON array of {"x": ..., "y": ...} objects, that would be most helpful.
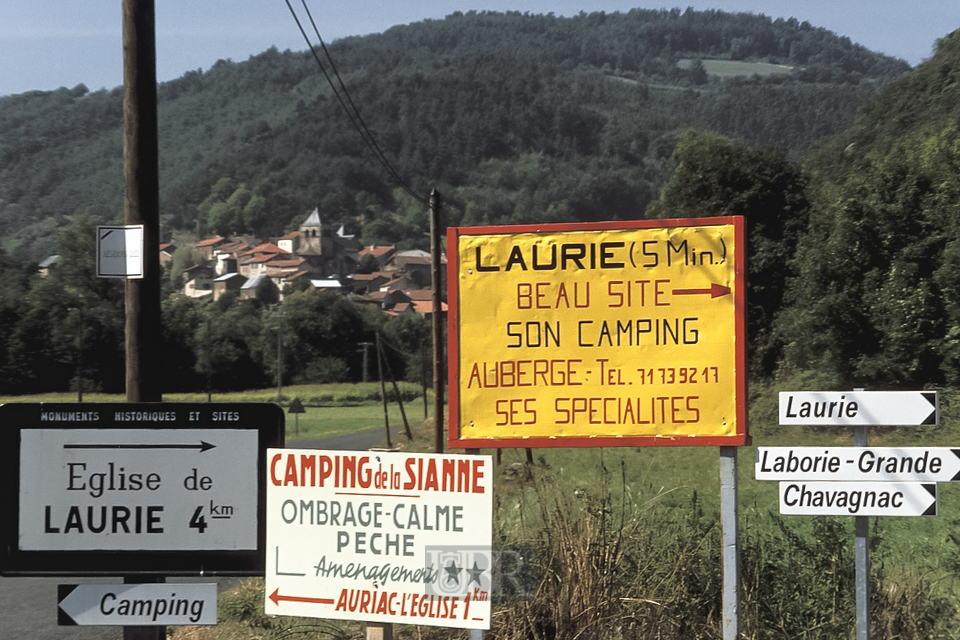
[
  {"x": 515, "y": 117},
  {"x": 845, "y": 166},
  {"x": 855, "y": 251}
]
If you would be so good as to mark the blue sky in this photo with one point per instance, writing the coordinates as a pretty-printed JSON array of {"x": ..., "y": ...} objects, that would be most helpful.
[{"x": 45, "y": 44}]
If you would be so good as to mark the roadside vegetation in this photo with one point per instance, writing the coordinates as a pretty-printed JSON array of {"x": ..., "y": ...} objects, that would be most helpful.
[{"x": 625, "y": 543}]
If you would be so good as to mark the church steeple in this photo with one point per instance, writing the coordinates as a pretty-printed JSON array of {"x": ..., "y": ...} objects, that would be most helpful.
[{"x": 311, "y": 234}]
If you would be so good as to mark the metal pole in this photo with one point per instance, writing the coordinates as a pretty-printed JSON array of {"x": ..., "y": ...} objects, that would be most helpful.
[
  {"x": 142, "y": 198},
  {"x": 144, "y": 633},
  {"x": 80, "y": 351},
  {"x": 438, "y": 352},
  {"x": 366, "y": 360},
  {"x": 383, "y": 393},
  {"x": 731, "y": 556},
  {"x": 396, "y": 388},
  {"x": 477, "y": 634},
  {"x": 862, "y": 552},
  {"x": 279, "y": 357}
]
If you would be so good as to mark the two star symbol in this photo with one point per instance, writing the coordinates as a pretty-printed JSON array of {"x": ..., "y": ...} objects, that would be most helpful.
[{"x": 453, "y": 573}]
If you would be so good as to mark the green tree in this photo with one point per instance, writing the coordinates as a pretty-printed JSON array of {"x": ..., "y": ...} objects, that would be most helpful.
[
  {"x": 228, "y": 345},
  {"x": 323, "y": 325},
  {"x": 409, "y": 337},
  {"x": 70, "y": 331},
  {"x": 182, "y": 318},
  {"x": 716, "y": 176}
]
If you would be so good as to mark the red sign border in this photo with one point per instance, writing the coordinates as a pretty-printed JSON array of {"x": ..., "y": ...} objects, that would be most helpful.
[{"x": 454, "y": 440}]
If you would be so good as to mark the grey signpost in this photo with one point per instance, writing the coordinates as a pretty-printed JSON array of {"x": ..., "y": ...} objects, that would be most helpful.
[{"x": 817, "y": 471}]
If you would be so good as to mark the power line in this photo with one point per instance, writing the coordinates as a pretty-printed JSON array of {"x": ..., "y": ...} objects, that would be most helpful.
[{"x": 343, "y": 97}]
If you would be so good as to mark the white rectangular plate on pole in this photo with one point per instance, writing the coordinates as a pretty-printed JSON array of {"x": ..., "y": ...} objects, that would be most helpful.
[
  {"x": 858, "y": 499},
  {"x": 120, "y": 251},
  {"x": 137, "y": 605},
  {"x": 859, "y": 408},
  {"x": 886, "y": 464}
]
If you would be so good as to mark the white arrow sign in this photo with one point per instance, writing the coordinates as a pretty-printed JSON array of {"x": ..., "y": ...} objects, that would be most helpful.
[
  {"x": 905, "y": 464},
  {"x": 858, "y": 498},
  {"x": 859, "y": 408},
  {"x": 132, "y": 605}
]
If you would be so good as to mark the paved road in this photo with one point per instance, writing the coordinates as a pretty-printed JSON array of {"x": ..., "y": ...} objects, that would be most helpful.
[{"x": 28, "y": 606}]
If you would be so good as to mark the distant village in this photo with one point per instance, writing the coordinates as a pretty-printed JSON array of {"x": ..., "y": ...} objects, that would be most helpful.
[{"x": 313, "y": 257}]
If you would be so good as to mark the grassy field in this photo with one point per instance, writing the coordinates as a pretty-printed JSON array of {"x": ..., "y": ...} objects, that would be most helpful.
[
  {"x": 732, "y": 68},
  {"x": 331, "y": 410}
]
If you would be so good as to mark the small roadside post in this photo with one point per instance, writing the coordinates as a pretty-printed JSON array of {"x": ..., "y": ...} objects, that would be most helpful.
[{"x": 296, "y": 408}]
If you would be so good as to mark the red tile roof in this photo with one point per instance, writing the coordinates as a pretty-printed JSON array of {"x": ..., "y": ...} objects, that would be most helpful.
[
  {"x": 210, "y": 241},
  {"x": 266, "y": 247}
]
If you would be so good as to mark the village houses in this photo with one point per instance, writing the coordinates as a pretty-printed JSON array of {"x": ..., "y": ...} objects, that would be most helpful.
[{"x": 321, "y": 258}]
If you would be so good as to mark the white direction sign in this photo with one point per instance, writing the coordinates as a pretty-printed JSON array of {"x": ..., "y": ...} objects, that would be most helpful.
[
  {"x": 120, "y": 251},
  {"x": 381, "y": 537},
  {"x": 132, "y": 605},
  {"x": 904, "y": 464},
  {"x": 138, "y": 489},
  {"x": 858, "y": 498},
  {"x": 859, "y": 408}
]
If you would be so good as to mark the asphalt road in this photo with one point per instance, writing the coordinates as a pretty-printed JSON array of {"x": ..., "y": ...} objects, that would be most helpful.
[{"x": 28, "y": 606}]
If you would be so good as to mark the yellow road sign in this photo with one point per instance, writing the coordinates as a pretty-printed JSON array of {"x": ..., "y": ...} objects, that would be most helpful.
[{"x": 598, "y": 334}]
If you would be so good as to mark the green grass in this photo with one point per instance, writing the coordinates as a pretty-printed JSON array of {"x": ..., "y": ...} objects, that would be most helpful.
[
  {"x": 733, "y": 68},
  {"x": 331, "y": 410},
  {"x": 661, "y": 482},
  {"x": 322, "y": 422}
]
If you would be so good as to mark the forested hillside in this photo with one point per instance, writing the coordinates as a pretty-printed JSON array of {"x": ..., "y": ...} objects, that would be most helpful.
[
  {"x": 877, "y": 293},
  {"x": 515, "y": 117},
  {"x": 844, "y": 163}
]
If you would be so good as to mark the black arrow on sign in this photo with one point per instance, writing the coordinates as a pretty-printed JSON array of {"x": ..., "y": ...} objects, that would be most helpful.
[
  {"x": 63, "y": 618},
  {"x": 931, "y": 488},
  {"x": 203, "y": 446}
]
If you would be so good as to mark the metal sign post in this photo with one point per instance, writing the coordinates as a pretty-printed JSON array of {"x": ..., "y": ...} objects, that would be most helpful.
[
  {"x": 862, "y": 555},
  {"x": 729, "y": 509}
]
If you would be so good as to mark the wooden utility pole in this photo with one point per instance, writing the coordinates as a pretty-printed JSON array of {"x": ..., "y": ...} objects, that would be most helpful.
[
  {"x": 142, "y": 198},
  {"x": 141, "y": 167},
  {"x": 438, "y": 351}
]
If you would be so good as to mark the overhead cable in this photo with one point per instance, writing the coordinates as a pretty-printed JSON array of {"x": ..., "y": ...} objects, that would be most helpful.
[{"x": 346, "y": 102}]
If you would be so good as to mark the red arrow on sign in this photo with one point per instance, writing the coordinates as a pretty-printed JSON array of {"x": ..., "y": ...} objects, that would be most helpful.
[
  {"x": 715, "y": 291},
  {"x": 276, "y": 597}
]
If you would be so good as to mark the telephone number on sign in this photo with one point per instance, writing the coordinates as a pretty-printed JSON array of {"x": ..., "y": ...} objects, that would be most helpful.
[{"x": 680, "y": 375}]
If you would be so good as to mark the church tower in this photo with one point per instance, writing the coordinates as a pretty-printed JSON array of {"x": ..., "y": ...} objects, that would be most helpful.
[{"x": 311, "y": 235}]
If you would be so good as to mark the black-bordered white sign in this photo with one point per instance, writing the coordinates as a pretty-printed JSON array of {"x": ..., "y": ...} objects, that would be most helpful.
[
  {"x": 884, "y": 464},
  {"x": 124, "y": 489}
]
